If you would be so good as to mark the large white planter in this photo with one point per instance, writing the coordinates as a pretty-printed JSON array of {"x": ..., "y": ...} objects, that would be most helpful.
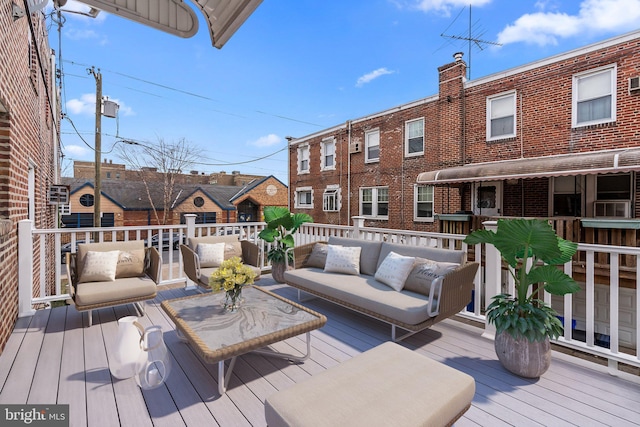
[{"x": 521, "y": 357}]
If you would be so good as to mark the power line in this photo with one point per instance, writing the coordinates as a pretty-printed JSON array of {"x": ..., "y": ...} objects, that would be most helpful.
[{"x": 195, "y": 95}]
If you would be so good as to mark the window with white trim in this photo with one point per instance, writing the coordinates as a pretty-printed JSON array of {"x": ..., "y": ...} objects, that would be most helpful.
[
  {"x": 374, "y": 202},
  {"x": 501, "y": 116},
  {"x": 423, "y": 203},
  {"x": 303, "y": 198},
  {"x": 372, "y": 146},
  {"x": 328, "y": 154},
  {"x": 303, "y": 159},
  {"x": 594, "y": 97},
  {"x": 331, "y": 199},
  {"x": 414, "y": 137}
]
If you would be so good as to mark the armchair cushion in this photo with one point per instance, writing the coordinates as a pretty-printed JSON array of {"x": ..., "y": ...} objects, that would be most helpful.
[
  {"x": 131, "y": 263},
  {"x": 211, "y": 254},
  {"x": 99, "y": 266}
]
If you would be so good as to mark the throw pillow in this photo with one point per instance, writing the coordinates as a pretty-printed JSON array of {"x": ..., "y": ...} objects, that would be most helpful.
[
  {"x": 99, "y": 267},
  {"x": 425, "y": 272},
  {"x": 343, "y": 259},
  {"x": 318, "y": 256},
  {"x": 232, "y": 249},
  {"x": 394, "y": 270},
  {"x": 210, "y": 254},
  {"x": 130, "y": 263}
]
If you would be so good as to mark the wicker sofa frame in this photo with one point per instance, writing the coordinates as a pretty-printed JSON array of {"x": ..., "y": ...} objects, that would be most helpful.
[{"x": 455, "y": 294}]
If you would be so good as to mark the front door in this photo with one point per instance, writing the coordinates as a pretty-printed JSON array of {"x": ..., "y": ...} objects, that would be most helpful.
[{"x": 487, "y": 198}]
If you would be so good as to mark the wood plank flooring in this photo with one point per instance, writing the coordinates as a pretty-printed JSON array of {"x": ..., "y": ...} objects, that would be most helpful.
[{"x": 52, "y": 357}]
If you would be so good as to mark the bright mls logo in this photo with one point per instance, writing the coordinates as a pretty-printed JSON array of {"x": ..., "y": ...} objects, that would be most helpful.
[{"x": 34, "y": 415}]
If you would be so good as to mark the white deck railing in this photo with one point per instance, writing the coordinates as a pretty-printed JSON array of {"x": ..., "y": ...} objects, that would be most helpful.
[{"x": 601, "y": 320}]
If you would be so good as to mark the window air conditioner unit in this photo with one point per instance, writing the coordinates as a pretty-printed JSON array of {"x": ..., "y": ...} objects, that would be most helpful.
[
  {"x": 355, "y": 147},
  {"x": 612, "y": 208},
  {"x": 634, "y": 84}
]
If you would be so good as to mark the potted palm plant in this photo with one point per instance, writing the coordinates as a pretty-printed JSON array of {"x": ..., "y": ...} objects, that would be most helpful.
[
  {"x": 281, "y": 226},
  {"x": 524, "y": 323}
]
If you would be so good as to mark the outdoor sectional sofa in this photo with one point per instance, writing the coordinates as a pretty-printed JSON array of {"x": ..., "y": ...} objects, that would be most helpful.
[
  {"x": 438, "y": 285},
  {"x": 113, "y": 273},
  {"x": 198, "y": 268}
]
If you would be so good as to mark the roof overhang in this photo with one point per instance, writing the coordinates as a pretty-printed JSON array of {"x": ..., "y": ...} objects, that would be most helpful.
[
  {"x": 599, "y": 162},
  {"x": 176, "y": 17}
]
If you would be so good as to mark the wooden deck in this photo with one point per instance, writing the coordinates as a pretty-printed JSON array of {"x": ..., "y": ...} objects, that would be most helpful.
[{"x": 51, "y": 358}]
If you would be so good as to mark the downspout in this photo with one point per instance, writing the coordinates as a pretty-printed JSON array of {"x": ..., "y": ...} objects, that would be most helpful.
[{"x": 348, "y": 172}]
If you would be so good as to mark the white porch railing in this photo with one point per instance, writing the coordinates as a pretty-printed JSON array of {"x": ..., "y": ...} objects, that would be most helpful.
[{"x": 601, "y": 320}]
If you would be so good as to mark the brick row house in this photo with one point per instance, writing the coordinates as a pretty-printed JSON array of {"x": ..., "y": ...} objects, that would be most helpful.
[
  {"x": 557, "y": 138},
  {"x": 29, "y": 118}
]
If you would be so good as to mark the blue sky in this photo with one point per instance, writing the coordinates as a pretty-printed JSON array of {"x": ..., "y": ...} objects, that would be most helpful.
[{"x": 297, "y": 67}]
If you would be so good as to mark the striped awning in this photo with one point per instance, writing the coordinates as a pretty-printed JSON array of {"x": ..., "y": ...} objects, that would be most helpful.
[{"x": 599, "y": 162}]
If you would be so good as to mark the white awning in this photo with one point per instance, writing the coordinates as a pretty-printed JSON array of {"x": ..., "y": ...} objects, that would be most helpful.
[
  {"x": 600, "y": 162},
  {"x": 176, "y": 17}
]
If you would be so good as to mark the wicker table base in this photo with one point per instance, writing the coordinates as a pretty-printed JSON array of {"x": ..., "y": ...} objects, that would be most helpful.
[{"x": 263, "y": 319}]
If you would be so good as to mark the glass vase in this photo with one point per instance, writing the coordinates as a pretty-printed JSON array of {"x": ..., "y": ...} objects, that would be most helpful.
[{"x": 233, "y": 299}]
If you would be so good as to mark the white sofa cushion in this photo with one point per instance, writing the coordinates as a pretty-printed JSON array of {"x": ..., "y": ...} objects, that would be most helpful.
[
  {"x": 343, "y": 259},
  {"x": 394, "y": 270}
]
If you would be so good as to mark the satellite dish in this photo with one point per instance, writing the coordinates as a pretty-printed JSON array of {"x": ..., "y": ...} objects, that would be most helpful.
[{"x": 36, "y": 5}]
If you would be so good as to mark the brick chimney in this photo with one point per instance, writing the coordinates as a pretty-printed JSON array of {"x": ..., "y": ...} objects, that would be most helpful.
[{"x": 451, "y": 111}]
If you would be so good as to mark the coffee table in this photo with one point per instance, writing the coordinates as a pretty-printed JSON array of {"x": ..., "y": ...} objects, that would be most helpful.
[{"x": 263, "y": 318}]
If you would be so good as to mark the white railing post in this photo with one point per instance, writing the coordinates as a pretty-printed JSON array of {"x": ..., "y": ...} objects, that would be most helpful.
[
  {"x": 492, "y": 274},
  {"x": 25, "y": 268},
  {"x": 190, "y": 219},
  {"x": 358, "y": 225}
]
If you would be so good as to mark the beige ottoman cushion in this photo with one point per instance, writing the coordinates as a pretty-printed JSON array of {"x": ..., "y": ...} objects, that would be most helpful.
[{"x": 388, "y": 385}]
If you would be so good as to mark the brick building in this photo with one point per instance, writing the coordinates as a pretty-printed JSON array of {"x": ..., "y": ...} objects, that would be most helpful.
[
  {"x": 555, "y": 138},
  {"x": 125, "y": 202},
  {"x": 29, "y": 118},
  {"x": 110, "y": 171}
]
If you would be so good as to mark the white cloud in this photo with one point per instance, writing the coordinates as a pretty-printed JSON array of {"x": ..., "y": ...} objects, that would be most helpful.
[
  {"x": 267, "y": 141},
  {"x": 76, "y": 151},
  {"x": 543, "y": 28},
  {"x": 86, "y": 105},
  {"x": 372, "y": 76},
  {"x": 443, "y": 7}
]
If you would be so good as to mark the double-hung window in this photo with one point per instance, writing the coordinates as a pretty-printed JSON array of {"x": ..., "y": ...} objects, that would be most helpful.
[
  {"x": 303, "y": 197},
  {"x": 328, "y": 154},
  {"x": 372, "y": 146},
  {"x": 501, "y": 116},
  {"x": 331, "y": 199},
  {"x": 374, "y": 202},
  {"x": 423, "y": 203},
  {"x": 414, "y": 137},
  {"x": 594, "y": 99},
  {"x": 303, "y": 159}
]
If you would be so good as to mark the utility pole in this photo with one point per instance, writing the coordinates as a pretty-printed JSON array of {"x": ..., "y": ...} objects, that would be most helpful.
[{"x": 97, "y": 189}]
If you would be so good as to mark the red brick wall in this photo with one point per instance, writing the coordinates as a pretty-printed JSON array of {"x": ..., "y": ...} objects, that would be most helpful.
[
  {"x": 25, "y": 139},
  {"x": 455, "y": 134}
]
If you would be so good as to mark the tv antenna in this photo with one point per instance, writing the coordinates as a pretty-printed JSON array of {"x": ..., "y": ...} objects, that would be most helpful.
[{"x": 473, "y": 38}]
